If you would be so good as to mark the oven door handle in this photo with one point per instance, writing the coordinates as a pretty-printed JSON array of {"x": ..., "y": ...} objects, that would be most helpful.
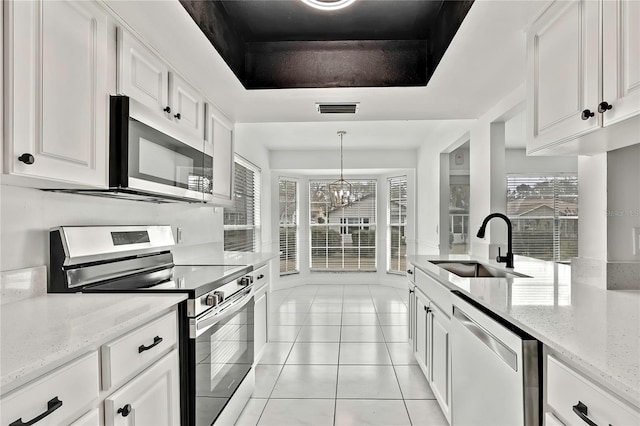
[{"x": 197, "y": 326}]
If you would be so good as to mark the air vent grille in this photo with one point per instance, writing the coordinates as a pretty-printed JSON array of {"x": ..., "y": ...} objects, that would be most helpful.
[{"x": 341, "y": 108}]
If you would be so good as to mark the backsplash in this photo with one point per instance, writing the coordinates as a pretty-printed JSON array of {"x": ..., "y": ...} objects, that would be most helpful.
[
  {"x": 21, "y": 284},
  {"x": 27, "y": 214}
]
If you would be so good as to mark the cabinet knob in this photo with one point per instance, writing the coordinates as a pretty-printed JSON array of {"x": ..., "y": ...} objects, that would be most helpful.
[
  {"x": 260, "y": 277},
  {"x": 125, "y": 411},
  {"x": 604, "y": 106},
  {"x": 177, "y": 116},
  {"x": 409, "y": 271},
  {"x": 27, "y": 158},
  {"x": 167, "y": 109},
  {"x": 587, "y": 114}
]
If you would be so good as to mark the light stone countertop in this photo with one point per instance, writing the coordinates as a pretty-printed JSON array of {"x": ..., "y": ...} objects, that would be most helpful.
[
  {"x": 212, "y": 254},
  {"x": 41, "y": 333},
  {"x": 598, "y": 330}
]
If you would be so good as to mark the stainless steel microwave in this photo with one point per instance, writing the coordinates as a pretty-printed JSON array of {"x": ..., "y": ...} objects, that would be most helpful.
[{"x": 147, "y": 163}]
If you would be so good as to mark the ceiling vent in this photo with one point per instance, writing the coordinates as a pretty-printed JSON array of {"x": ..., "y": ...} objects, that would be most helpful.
[{"x": 341, "y": 108}]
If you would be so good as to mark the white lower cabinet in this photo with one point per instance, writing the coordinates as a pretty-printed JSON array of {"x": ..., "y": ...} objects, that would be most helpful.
[
  {"x": 440, "y": 355},
  {"x": 261, "y": 310},
  {"x": 576, "y": 400},
  {"x": 151, "y": 398},
  {"x": 422, "y": 327},
  {"x": 91, "y": 418}
]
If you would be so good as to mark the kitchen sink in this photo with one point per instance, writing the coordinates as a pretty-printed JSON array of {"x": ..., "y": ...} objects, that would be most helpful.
[{"x": 472, "y": 269}]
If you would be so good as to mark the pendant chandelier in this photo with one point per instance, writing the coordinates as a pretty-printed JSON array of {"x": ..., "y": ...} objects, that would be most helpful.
[
  {"x": 341, "y": 189},
  {"x": 328, "y": 4}
]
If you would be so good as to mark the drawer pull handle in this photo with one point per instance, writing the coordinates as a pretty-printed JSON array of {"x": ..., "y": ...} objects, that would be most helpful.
[
  {"x": 260, "y": 276},
  {"x": 582, "y": 411},
  {"x": 125, "y": 411},
  {"x": 156, "y": 341},
  {"x": 52, "y": 406}
]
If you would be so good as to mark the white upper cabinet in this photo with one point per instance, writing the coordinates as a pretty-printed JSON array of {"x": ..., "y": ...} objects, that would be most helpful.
[
  {"x": 621, "y": 59},
  {"x": 150, "y": 82},
  {"x": 583, "y": 74},
  {"x": 142, "y": 75},
  {"x": 219, "y": 140},
  {"x": 57, "y": 97}
]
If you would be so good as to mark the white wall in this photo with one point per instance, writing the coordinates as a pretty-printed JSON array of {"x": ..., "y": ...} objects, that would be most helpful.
[
  {"x": 592, "y": 206},
  {"x": 517, "y": 161},
  {"x": 27, "y": 214}
]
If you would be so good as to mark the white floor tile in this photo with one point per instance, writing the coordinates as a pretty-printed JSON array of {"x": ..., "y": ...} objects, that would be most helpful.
[
  {"x": 325, "y": 308},
  {"x": 368, "y": 382},
  {"x": 357, "y": 318},
  {"x": 393, "y": 318},
  {"x": 322, "y": 298},
  {"x": 306, "y": 381},
  {"x": 292, "y": 306},
  {"x": 362, "y": 307},
  {"x": 283, "y": 333},
  {"x": 266, "y": 376},
  {"x": 364, "y": 353},
  {"x": 357, "y": 298},
  {"x": 323, "y": 319},
  {"x": 294, "y": 412},
  {"x": 314, "y": 353},
  {"x": 251, "y": 412},
  {"x": 426, "y": 413},
  {"x": 413, "y": 383},
  {"x": 287, "y": 318},
  {"x": 401, "y": 354},
  {"x": 328, "y": 289},
  {"x": 351, "y": 412},
  {"x": 276, "y": 352},
  {"x": 397, "y": 306},
  {"x": 319, "y": 333},
  {"x": 395, "y": 333},
  {"x": 361, "y": 333}
]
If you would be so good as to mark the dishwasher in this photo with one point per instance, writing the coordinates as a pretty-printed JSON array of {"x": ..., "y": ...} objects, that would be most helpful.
[{"x": 495, "y": 369}]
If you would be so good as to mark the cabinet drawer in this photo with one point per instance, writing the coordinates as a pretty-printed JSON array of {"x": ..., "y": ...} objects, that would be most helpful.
[
  {"x": 438, "y": 293},
  {"x": 411, "y": 273},
  {"x": 261, "y": 277},
  {"x": 74, "y": 385},
  {"x": 134, "y": 351},
  {"x": 91, "y": 418},
  {"x": 566, "y": 388}
]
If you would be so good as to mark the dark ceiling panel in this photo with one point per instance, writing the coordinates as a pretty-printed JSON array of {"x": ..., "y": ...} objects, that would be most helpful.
[
  {"x": 287, "y": 44},
  {"x": 292, "y": 20}
]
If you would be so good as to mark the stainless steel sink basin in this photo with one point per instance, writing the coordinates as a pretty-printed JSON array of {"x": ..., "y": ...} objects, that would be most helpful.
[{"x": 472, "y": 269}]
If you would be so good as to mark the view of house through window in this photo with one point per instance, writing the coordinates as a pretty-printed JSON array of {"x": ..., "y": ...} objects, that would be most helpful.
[
  {"x": 288, "y": 200},
  {"x": 397, "y": 214},
  {"x": 343, "y": 229},
  {"x": 544, "y": 213},
  {"x": 242, "y": 221}
]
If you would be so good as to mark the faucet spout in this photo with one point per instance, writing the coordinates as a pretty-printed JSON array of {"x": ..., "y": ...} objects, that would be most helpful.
[{"x": 508, "y": 259}]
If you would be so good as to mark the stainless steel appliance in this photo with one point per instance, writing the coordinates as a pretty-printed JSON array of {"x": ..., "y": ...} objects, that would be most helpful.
[
  {"x": 216, "y": 343},
  {"x": 149, "y": 164},
  {"x": 495, "y": 369}
]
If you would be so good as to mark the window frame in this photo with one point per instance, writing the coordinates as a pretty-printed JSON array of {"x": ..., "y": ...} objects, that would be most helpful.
[
  {"x": 401, "y": 225},
  {"x": 295, "y": 225},
  {"x": 256, "y": 226}
]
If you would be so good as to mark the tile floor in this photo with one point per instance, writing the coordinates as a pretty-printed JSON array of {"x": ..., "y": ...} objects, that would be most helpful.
[{"x": 338, "y": 355}]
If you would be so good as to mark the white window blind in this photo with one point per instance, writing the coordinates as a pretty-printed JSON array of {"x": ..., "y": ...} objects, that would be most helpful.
[
  {"x": 343, "y": 236},
  {"x": 288, "y": 196},
  {"x": 242, "y": 221},
  {"x": 397, "y": 217},
  {"x": 544, "y": 213}
]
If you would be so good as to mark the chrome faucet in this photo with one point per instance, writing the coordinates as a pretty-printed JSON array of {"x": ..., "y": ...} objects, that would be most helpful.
[{"x": 508, "y": 259}]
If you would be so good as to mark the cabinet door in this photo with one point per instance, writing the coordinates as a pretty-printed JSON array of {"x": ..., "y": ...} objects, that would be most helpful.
[
  {"x": 151, "y": 398},
  {"x": 57, "y": 96},
  {"x": 142, "y": 75},
  {"x": 411, "y": 312},
  {"x": 422, "y": 327},
  {"x": 440, "y": 372},
  {"x": 187, "y": 107},
  {"x": 260, "y": 325},
  {"x": 220, "y": 135},
  {"x": 621, "y": 59},
  {"x": 92, "y": 418},
  {"x": 563, "y": 73}
]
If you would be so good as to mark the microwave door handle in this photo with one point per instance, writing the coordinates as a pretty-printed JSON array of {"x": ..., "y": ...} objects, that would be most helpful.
[{"x": 200, "y": 325}]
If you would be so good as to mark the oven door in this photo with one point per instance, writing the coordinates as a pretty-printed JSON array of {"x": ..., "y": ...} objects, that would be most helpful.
[
  {"x": 145, "y": 159},
  {"x": 223, "y": 355}
]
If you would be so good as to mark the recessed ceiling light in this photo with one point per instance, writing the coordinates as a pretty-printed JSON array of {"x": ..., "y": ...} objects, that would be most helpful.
[{"x": 328, "y": 4}]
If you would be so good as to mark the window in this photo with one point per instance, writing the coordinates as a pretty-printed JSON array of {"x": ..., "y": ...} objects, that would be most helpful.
[
  {"x": 242, "y": 220},
  {"x": 343, "y": 236},
  {"x": 397, "y": 214},
  {"x": 544, "y": 213},
  {"x": 288, "y": 196}
]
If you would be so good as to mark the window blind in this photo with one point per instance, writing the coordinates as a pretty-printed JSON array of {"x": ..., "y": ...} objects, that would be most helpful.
[
  {"x": 242, "y": 220},
  {"x": 544, "y": 214},
  {"x": 397, "y": 214},
  {"x": 343, "y": 235},
  {"x": 288, "y": 200}
]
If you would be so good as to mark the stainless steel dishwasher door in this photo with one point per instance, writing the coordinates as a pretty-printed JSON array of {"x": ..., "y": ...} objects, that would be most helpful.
[{"x": 494, "y": 371}]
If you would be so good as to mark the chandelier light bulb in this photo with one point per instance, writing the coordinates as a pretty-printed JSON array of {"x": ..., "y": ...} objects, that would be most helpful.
[{"x": 328, "y": 4}]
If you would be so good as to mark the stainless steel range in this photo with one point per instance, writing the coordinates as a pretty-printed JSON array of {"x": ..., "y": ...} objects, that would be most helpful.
[{"x": 216, "y": 347}]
